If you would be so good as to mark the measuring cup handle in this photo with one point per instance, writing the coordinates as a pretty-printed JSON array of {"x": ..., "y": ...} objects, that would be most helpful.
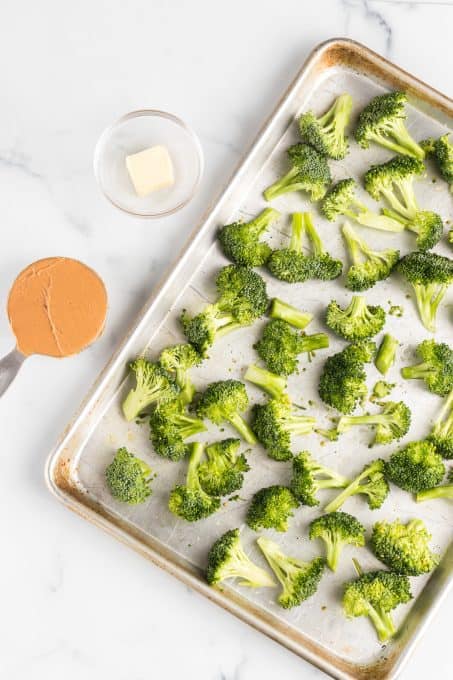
[{"x": 9, "y": 367}]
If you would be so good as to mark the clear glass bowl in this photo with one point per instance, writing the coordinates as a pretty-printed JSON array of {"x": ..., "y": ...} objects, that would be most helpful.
[{"x": 137, "y": 131}]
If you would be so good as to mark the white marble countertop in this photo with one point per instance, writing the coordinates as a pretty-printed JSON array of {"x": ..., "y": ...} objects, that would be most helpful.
[{"x": 74, "y": 602}]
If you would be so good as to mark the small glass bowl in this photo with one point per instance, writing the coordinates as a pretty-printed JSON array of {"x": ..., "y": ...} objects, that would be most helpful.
[{"x": 135, "y": 132}]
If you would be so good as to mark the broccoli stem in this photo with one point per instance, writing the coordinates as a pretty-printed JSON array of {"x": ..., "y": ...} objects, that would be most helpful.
[
  {"x": 337, "y": 117},
  {"x": 350, "y": 490},
  {"x": 310, "y": 343},
  {"x": 299, "y": 425},
  {"x": 428, "y": 298},
  {"x": 417, "y": 372},
  {"x": 383, "y": 222},
  {"x": 137, "y": 400},
  {"x": 282, "y": 185},
  {"x": 353, "y": 242},
  {"x": 404, "y": 205},
  {"x": 403, "y": 143},
  {"x": 241, "y": 426},
  {"x": 297, "y": 232},
  {"x": 443, "y": 491},
  {"x": 318, "y": 248},
  {"x": 264, "y": 219},
  {"x": 346, "y": 422},
  {"x": 196, "y": 454},
  {"x": 333, "y": 551},
  {"x": 269, "y": 382},
  {"x": 285, "y": 312},
  {"x": 386, "y": 353},
  {"x": 240, "y": 566},
  {"x": 382, "y": 622}
]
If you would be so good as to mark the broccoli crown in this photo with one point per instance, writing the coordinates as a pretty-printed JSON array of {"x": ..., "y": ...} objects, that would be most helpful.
[
  {"x": 290, "y": 264},
  {"x": 442, "y": 151},
  {"x": 152, "y": 385},
  {"x": 380, "y": 179},
  {"x": 337, "y": 529},
  {"x": 342, "y": 381},
  {"x": 368, "y": 266},
  {"x": 178, "y": 360},
  {"x": 309, "y": 477},
  {"x": 370, "y": 482},
  {"x": 227, "y": 559},
  {"x": 326, "y": 134},
  {"x": 270, "y": 508},
  {"x": 280, "y": 346},
  {"x": 375, "y": 594},
  {"x": 309, "y": 172},
  {"x": 240, "y": 240},
  {"x": 442, "y": 433},
  {"x": 271, "y": 383},
  {"x": 223, "y": 471},
  {"x": 392, "y": 423},
  {"x": 404, "y": 548},
  {"x": 128, "y": 478},
  {"x": 189, "y": 501},
  {"x": 416, "y": 467},
  {"x": 435, "y": 367},
  {"x": 299, "y": 579},
  {"x": 274, "y": 423},
  {"x": 358, "y": 321},
  {"x": 380, "y": 390},
  {"x": 223, "y": 401},
  {"x": 382, "y": 122},
  {"x": 170, "y": 426}
]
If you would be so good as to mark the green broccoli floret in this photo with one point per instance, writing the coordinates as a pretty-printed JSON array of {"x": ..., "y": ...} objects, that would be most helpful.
[
  {"x": 382, "y": 122},
  {"x": 442, "y": 151},
  {"x": 326, "y": 134},
  {"x": 241, "y": 300},
  {"x": 152, "y": 385},
  {"x": 240, "y": 240},
  {"x": 285, "y": 312},
  {"x": 270, "y": 508},
  {"x": 375, "y": 594},
  {"x": 386, "y": 354},
  {"x": 309, "y": 173},
  {"x": 380, "y": 390},
  {"x": 394, "y": 182},
  {"x": 442, "y": 491},
  {"x": 309, "y": 477},
  {"x": 290, "y": 264},
  {"x": 341, "y": 200},
  {"x": 415, "y": 468},
  {"x": 322, "y": 265},
  {"x": 442, "y": 433},
  {"x": 190, "y": 501},
  {"x": 337, "y": 529},
  {"x": 404, "y": 548},
  {"x": 280, "y": 346},
  {"x": 227, "y": 559},
  {"x": 170, "y": 427},
  {"x": 224, "y": 401},
  {"x": 299, "y": 579},
  {"x": 370, "y": 482},
  {"x": 368, "y": 266},
  {"x": 435, "y": 368},
  {"x": 128, "y": 478},
  {"x": 178, "y": 360},
  {"x": 274, "y": 423},
  {"x": 390, "y": 424},
  {"x": 430, "y": 275},
  {"x": 271, "y": 383},
  {"x": 342, "y": 382},
  {"x": 358, "y": 321},
  {"x": 223, "y": 471}
]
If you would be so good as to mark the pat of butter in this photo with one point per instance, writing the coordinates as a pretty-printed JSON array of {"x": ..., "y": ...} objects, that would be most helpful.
[{"x": 150, "y": 170}]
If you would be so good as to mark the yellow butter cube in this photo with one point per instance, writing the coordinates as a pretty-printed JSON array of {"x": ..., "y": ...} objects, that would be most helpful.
[{"x": 150, "y": 170}]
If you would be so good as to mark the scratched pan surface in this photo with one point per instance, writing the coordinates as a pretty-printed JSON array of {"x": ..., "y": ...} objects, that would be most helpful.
[{"x": 317, "y": 630}]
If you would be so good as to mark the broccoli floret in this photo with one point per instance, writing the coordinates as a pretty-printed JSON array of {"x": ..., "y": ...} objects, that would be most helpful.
[
  {"x": 443, "y": 491},
  {"x": 152, "y": 385},
  {"x": 224, "y": 401},
  {"x": 227, "y": 559},
  {"x": 170, "y": 427},
  {"x": 371, "y": 482},
  {"x": 358, "y": 321},
  {"x": 390, "y": 424},
  {"x": 223, "y": 471},
  {"x": 290, "y": 264},
  {"x": 415, "y": 468},
  {"x": 394, "y": 182},
  {"x": 274, "y": 423},
  {"x": 327, "y": 133},
  {"x": 309, "y": 173},
  {"x": 386, "y": 354},
  {"x": 271, "y": 383},
  {"x": 177, "y": 360},
  {"x": 382, "y": 122},
  {"x": 430, "y": 275},
  {"x": 280, "y": 346},
  {"x": 128, "y": 478},
  {"x": 380, "y": 390},
  {"x": 299, "y": 579},
  {"x": 442, "y": 433},
  {"x": 241, "y": 300},
  {"x": 375, "y": 594},
  {"x": 368, "y": 266},
  {"x": 442, "y": 151},
  {"x": 285, "y": 312},
  {"x": 240, "y": 240},
  {"x": 309, "y": 477},
  {"x": 341, "y": 200},
  {"x": 190, "y": 501},
  {"x": 271, "y": 508},
  {"x": 323, "y": 266},
  {"x": 435, "y": 368},
  {"x": 404, "y": 548},
  {"x": 337, "y": 529},
  {"x": 342, "y": 381}
]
